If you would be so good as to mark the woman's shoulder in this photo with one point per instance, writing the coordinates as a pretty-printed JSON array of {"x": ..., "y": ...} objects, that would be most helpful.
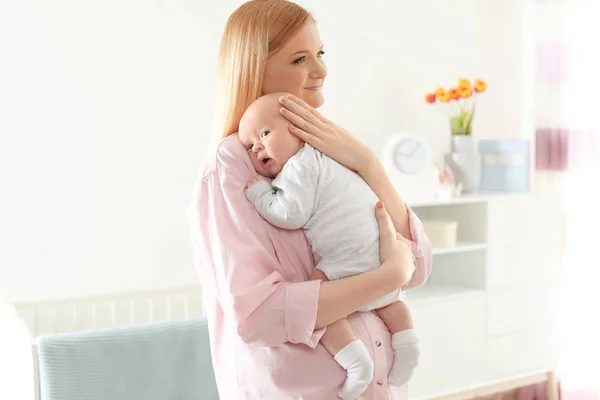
[
  {"x": 227, "y": 157},
  {"x": 226, "y": 168}
]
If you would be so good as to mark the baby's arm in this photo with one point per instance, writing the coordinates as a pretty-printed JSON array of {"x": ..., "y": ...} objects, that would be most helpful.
[{"x": 289, "y": 201}]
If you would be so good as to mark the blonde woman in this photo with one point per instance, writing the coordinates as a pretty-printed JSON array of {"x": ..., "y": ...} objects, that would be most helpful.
[{"x": 267, "y": 308}]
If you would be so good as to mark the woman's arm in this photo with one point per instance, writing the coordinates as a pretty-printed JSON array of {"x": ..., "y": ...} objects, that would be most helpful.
[
  {"x": 374, "y": 174},
  {"x": 334, "y": 141},
  {"x": 340, "y": 145},
  {"x": 238, "y": 265},
  {"x": 342, "y": 297},
  {"x": 405, "y": 221}
]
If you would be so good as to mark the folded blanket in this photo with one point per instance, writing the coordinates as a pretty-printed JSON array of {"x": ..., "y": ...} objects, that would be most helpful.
[{"x": 161, "y": 361}]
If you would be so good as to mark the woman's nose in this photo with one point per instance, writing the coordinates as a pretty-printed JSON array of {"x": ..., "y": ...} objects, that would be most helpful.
[{"x": 320, "y": 70}]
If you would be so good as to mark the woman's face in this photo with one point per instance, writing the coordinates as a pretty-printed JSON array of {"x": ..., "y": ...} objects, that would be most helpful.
[{"x": 298, "y": 68}]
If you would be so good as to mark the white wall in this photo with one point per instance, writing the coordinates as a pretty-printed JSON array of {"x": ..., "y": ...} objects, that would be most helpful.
[{"x": 109, "y": 104}]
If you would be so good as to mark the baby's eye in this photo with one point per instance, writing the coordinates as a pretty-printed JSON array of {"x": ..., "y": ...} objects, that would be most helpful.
[{"x": 265, "y": 134}]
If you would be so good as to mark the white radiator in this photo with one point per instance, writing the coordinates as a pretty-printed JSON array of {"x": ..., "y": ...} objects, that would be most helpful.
[{"x": 97, "y": 312}]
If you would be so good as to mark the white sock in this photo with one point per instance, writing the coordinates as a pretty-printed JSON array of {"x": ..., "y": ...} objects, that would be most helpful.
[
  {"x": 357, "y": 362},
  {"x": 407, "y": 351}
]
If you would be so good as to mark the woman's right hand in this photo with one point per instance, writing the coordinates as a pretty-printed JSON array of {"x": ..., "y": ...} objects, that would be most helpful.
[{"x": 394, "y": 250}]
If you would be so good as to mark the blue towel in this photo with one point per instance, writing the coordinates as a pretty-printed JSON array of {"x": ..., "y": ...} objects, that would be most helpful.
[{"x": 160, "y": 361}]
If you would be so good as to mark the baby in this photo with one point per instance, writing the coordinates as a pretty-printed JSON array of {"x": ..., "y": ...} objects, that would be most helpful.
[{"x": 335, "y": 208}]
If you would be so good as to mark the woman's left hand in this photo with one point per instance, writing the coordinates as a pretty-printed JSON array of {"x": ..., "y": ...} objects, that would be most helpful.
[{"x": 327, "y": 137}]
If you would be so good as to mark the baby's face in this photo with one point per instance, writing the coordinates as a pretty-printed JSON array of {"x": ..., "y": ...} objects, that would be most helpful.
[{"x": 265, "y": 133}]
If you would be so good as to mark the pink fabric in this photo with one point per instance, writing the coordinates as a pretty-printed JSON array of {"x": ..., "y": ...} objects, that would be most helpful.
[
  {"x": 566, "y": 149},
  {"x": 260, "y": 307},
  {"x": 551, "y": 149}
]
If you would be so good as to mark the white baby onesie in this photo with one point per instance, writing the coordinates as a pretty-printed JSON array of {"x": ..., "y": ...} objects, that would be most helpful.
[{"x": 336, "y": 208}]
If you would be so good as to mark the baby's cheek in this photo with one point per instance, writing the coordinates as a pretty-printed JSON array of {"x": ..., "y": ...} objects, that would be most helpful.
[{"x": 255, "y": 163}]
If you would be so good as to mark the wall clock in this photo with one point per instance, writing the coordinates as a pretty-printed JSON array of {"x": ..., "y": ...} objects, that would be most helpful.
[{"x": 408, "y": 161}]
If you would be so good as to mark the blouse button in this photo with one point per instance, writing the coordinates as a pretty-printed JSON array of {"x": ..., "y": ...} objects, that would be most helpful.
[
  {"x": 378, "y": 343},
  {"x": 380, "y": 382}
]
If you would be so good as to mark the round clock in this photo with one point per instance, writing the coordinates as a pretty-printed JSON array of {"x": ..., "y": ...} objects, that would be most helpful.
[{"x": 408, "y": 162}]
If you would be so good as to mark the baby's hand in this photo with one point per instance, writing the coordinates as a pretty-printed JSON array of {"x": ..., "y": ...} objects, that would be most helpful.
[{"x": 254, "y": 181}]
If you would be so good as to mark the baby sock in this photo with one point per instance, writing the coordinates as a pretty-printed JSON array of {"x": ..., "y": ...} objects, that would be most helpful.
[
  {"x": 407, "y": 351},
  {"x": 357, "y": 362}
]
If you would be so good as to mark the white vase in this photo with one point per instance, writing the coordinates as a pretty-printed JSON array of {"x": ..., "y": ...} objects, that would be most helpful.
[
  {"x": 467, "y": 169},
  {"x": 463, "y": 144}
]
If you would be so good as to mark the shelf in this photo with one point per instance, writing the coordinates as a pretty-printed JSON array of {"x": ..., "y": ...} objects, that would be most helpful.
[
  {"x": 459, "y": 248},
  {"x": 436, "y": 291},
  {"x": 464, "y": 199}
]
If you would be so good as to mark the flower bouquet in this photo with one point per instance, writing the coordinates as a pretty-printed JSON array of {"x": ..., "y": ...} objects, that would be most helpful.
[{"x": 459, "y": 104}]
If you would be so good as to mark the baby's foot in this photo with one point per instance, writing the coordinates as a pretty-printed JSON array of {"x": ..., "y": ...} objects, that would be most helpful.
[
  {"x": 357, "y": 362},
  {"x": 407, "y": 350}
]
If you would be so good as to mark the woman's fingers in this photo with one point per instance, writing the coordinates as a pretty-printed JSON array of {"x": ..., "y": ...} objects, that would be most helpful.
[
  {"x": 299, "y": 122},
  {"x": 307, "y": 107},
  {"x": 306, "y": 137},
  {"x": 303, "y": 110},
  {"x": 392, "y": 248},
  {"x": 386, "y": 227}
]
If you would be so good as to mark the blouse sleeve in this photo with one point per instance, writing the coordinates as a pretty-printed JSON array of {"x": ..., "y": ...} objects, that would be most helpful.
[
  {"x": 421, "y": 249},
  {"x": 237, "y": 261}
]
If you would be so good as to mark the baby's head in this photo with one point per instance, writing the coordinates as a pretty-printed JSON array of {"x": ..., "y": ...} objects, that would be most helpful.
[{"x": 266, "y": 134}]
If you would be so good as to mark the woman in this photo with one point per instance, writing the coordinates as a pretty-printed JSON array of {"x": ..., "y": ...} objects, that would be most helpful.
[{"x": 265, "y": 314}]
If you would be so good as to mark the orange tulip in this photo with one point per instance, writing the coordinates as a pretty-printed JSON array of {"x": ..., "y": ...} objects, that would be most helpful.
[
  {"x": 430, "y": 98},
  {"x": 463, "y": 82},
  {"x": 445, "y": 97},
  {"x": 454, "y": 93},
  {"x": 465, "y": 92},
  {"x": 480, "y": 86}
]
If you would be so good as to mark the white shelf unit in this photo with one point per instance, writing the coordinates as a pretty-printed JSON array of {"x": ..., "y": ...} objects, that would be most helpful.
[
  {"x": 487, "y": 314},
  {"x": 459, "y": 248}
]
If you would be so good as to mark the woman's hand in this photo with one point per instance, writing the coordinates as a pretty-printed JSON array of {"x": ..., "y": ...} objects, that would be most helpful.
[
  {"x": 394, "y": 251},
  {"x": 327, "y": 137},
  {"x": 341, "y": 297}
]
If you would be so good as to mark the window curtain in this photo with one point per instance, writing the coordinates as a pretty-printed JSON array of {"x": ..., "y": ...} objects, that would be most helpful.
[{"x": 567, "y": 151}]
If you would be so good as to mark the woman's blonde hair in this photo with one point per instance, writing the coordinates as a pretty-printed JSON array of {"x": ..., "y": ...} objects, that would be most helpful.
[{"x": 255, "y": 31}]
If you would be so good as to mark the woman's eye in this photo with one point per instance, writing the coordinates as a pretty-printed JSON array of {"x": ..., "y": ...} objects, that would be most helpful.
[
  {"x": 265, "y": 134},
  {"x": 299, "y": 60}
]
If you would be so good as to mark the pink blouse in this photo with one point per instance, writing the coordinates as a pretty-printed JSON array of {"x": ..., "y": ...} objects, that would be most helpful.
[{"x": 260, "y": 306}]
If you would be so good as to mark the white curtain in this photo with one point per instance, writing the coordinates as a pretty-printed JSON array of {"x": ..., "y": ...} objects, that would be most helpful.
[{"x": 567, "y": 153}]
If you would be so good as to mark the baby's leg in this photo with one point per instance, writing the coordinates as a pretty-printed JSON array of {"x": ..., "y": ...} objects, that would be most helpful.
[
  {"x": 349, "y": 352},
  {"x": 405, "y": 342}
]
